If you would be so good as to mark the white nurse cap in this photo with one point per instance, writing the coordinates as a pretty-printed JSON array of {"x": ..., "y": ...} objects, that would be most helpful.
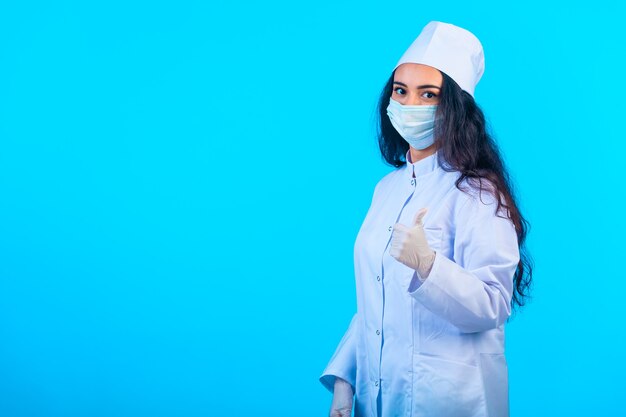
[{"x": 450, "y": 49}]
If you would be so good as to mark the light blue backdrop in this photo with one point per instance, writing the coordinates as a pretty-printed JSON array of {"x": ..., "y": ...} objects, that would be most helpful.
[{"x": 181, "y": 184}]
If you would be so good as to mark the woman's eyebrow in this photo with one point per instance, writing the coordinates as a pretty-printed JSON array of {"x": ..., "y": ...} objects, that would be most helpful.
[{"x": 419, "y": 86}]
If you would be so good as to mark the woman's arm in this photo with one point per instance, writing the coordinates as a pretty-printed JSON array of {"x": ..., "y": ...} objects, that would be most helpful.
[
  {"x": 343, "y": 362},
  {"x": 473, "y": 291}
]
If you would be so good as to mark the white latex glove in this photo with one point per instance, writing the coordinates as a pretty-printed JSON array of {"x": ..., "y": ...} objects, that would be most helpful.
[
  {"x": 409, "y": 245},
  {"x": 342, "y": 399}
]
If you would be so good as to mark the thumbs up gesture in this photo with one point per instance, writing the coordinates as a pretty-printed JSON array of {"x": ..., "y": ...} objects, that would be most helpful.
[{"x": 409, "y": 246}]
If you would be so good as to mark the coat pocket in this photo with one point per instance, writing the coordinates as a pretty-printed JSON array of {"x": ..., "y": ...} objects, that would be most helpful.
[
  {"x": 442, "y": 387},
  {"x": 434, "y": 236},
  {"x": 363, "y": 402},
  {"x": 494, "y": 373}
]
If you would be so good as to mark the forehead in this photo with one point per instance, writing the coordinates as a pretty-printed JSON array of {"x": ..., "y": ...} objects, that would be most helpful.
[{"x": 413, "y": 74}]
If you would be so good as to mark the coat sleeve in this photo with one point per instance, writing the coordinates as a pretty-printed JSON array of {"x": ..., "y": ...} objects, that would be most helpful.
[
  {"x": 474, "y": 290},
  {"x": 343, "y": 362}
]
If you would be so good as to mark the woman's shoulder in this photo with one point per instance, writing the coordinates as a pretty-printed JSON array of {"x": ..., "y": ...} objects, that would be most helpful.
[
  {"x": 389, "y": 178},
  {"x": 477, "y": 195}
]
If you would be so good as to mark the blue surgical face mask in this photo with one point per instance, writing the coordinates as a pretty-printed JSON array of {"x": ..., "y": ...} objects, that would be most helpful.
[{"x": 416, "y": 124}]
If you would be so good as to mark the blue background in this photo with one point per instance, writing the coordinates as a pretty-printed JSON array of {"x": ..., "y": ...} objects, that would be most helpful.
[{"x": 181, "y": 184}]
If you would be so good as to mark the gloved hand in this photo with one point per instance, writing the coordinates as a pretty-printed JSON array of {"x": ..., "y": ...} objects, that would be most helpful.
[
  {"x": 409, "y": 245},
  {"x": 342, "y": 399}
]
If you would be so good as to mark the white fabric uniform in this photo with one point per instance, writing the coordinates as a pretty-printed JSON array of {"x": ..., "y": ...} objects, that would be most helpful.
[{"x": 432, "y": 348}]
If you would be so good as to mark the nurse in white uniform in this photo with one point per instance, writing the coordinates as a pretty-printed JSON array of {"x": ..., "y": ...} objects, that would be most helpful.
[{"x": 439, "y": 259}]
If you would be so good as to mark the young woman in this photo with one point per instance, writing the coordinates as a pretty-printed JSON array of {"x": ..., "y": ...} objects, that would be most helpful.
[{"x": 439, "y": 258}]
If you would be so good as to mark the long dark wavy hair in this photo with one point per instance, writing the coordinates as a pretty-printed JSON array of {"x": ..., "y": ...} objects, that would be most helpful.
[{"x": 465, "y": 145}]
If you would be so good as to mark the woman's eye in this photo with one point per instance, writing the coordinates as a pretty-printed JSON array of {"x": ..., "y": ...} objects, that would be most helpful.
[
  {"x": 429, "y": 94},
  {"x": 399, "y": 88}
]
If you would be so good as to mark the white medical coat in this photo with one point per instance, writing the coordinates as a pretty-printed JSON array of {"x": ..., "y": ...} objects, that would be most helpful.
[{"x": 435, "y": 347}]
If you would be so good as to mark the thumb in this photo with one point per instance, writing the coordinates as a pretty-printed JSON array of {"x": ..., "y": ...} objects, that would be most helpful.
[{"x": 419, "y": 216}]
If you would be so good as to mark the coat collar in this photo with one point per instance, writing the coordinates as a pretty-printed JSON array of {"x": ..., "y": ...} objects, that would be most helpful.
[{"x": 422, "y": 167}]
